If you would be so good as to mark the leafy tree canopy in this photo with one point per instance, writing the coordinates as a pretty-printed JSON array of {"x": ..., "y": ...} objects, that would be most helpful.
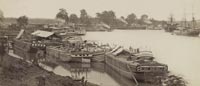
[
  {"x": 73, "y": 18},
  {"x": 22, "y": 21},
  {"x": 1, "y": 16},
  {"x": 62, "y": 15},
  {"x": 107, "y": 17},
  {"x": 84, "y": 18},
  {"x": 131, "y": 18}
]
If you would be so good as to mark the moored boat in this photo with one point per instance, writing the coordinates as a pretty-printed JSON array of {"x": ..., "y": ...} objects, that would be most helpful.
[
  {"x": 139, "y": 65},
  {"x": 34, "y": 49},
  {"x": 3, "y": 45},
  {"x": 171, "y": 25},
  {"x": 187, "y": 32},
  {"x": 188, "y": 28},
  {"x": 48, "y": 46},
  {"x": 67, "y": 30}
]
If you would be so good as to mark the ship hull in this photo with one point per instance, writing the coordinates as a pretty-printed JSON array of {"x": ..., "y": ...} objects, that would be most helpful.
[
  {"x": 125, "y": 73},
  {"x": 54, "y": 55},
  {"x": 186, "y": 32},
  {"x": 24, "y": 50},
  {"x": 122, "y": 68}
]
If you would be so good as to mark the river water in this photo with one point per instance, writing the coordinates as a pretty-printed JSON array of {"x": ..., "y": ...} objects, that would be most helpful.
[{"x": 180, "y": 53}]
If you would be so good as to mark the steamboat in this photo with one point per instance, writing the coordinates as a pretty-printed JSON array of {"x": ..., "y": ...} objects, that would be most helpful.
[{"x": 48, "y": 46}]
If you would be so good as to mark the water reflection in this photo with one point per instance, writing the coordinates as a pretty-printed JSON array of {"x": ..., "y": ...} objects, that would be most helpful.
[
  {"x": 98, "y": 73},
  {"x": 180, "y": 53},
  {"x": 93, "y": 73}
]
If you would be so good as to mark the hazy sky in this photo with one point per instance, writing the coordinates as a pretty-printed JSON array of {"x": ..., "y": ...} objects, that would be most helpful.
[{"x": 158, "y": 9}]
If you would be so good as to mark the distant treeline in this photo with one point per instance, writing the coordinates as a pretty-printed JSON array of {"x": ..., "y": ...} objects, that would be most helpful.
[
  {"x": 106, "y": 17},
  {"x": 31, "y": 21}
]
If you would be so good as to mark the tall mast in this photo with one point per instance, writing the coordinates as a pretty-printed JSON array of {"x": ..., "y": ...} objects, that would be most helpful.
[
  {"x": 193, "y": 19},
  {"x": 184, "y": 16},
  {"x": 185, "y": 20},
  {"x": 171, "y": 18}
]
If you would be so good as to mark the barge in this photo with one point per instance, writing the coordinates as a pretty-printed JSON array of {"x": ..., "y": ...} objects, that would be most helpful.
[
  {"x": 139, "y": 65},
  {"x": 47, "y": 46}
]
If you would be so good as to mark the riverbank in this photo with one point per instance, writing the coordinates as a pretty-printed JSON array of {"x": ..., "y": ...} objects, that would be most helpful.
[{"x": 16, "y": 72}]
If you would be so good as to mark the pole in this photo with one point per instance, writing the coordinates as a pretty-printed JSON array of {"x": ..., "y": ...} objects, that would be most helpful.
[{"x": 136, "y": 82}]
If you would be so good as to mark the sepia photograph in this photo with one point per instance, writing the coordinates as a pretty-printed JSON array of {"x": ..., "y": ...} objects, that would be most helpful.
[{"x": 99, "y": 42}]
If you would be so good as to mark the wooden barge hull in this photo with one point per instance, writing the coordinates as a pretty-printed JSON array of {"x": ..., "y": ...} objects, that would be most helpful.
[
  {"x": 24, "y": 50},
  {"x": 126, "y": 74},
  {"x": 54, "y": 55},
  {"x": 119, "y": 77},
  {"x": 189, "y": 33},
  {"x": 122, "y": 68}
]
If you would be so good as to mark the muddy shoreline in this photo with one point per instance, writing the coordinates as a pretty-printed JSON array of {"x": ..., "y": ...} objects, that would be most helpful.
[{"x": 16, "y": 72}]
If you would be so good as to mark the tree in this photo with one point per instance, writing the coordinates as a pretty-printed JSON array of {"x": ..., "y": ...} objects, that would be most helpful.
[
  {"x": 122, "y": 17},
  {"x": 63, "y": 15},
  {"x": 121, "y": 21},
  {"x": 73, "y": 18},
  {"x": 84, "y": 18},
  {"x": 144, "y": 17},
  {"x": 1, "y": 16},
  {"x": 142, "y": 20},
  {"x": 98, "y": 15},
  {"x": 173, "y": 80},
  {"x": 107, "y": 17},
  {"x": 22, "y": 21},
  {"x": 131, "y": 18}
]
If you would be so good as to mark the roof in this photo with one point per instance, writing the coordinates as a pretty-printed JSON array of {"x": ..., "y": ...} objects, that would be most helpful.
[
  {"x": 118, "y": 51},
  {"x": 148, "y": 22},
  {"x": 73, "y": 39},
  {"x": 41, "y": 33},
  {"x": 145, "y": 54},
  {"x": 20, "y": 33},
  {"x": 105, "y": 25},
  {"x": 54, "y": 27},
  {"x": 66, "y": 27},
  {"x": 124, "y": 21}
]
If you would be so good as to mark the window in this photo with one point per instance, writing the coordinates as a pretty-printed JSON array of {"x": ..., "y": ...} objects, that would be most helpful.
[{"x": 142, "y": 68}]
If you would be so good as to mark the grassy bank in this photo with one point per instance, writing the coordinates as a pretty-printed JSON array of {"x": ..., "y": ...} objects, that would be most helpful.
[{"x": 16, "y": 72}]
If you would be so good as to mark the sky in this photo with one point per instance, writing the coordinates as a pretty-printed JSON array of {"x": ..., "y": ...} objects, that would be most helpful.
[{"x": 157, "y": 9}]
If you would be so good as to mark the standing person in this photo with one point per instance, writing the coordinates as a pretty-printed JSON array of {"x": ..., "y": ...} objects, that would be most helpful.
[
  {"x": 138, "y": 50},
  {"x": 131, "y": 49}
]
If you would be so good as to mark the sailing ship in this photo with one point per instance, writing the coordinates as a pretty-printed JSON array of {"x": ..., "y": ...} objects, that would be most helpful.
[
  {"x": 187, "y": 29},
  {"x": 171, "y": 25}
]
